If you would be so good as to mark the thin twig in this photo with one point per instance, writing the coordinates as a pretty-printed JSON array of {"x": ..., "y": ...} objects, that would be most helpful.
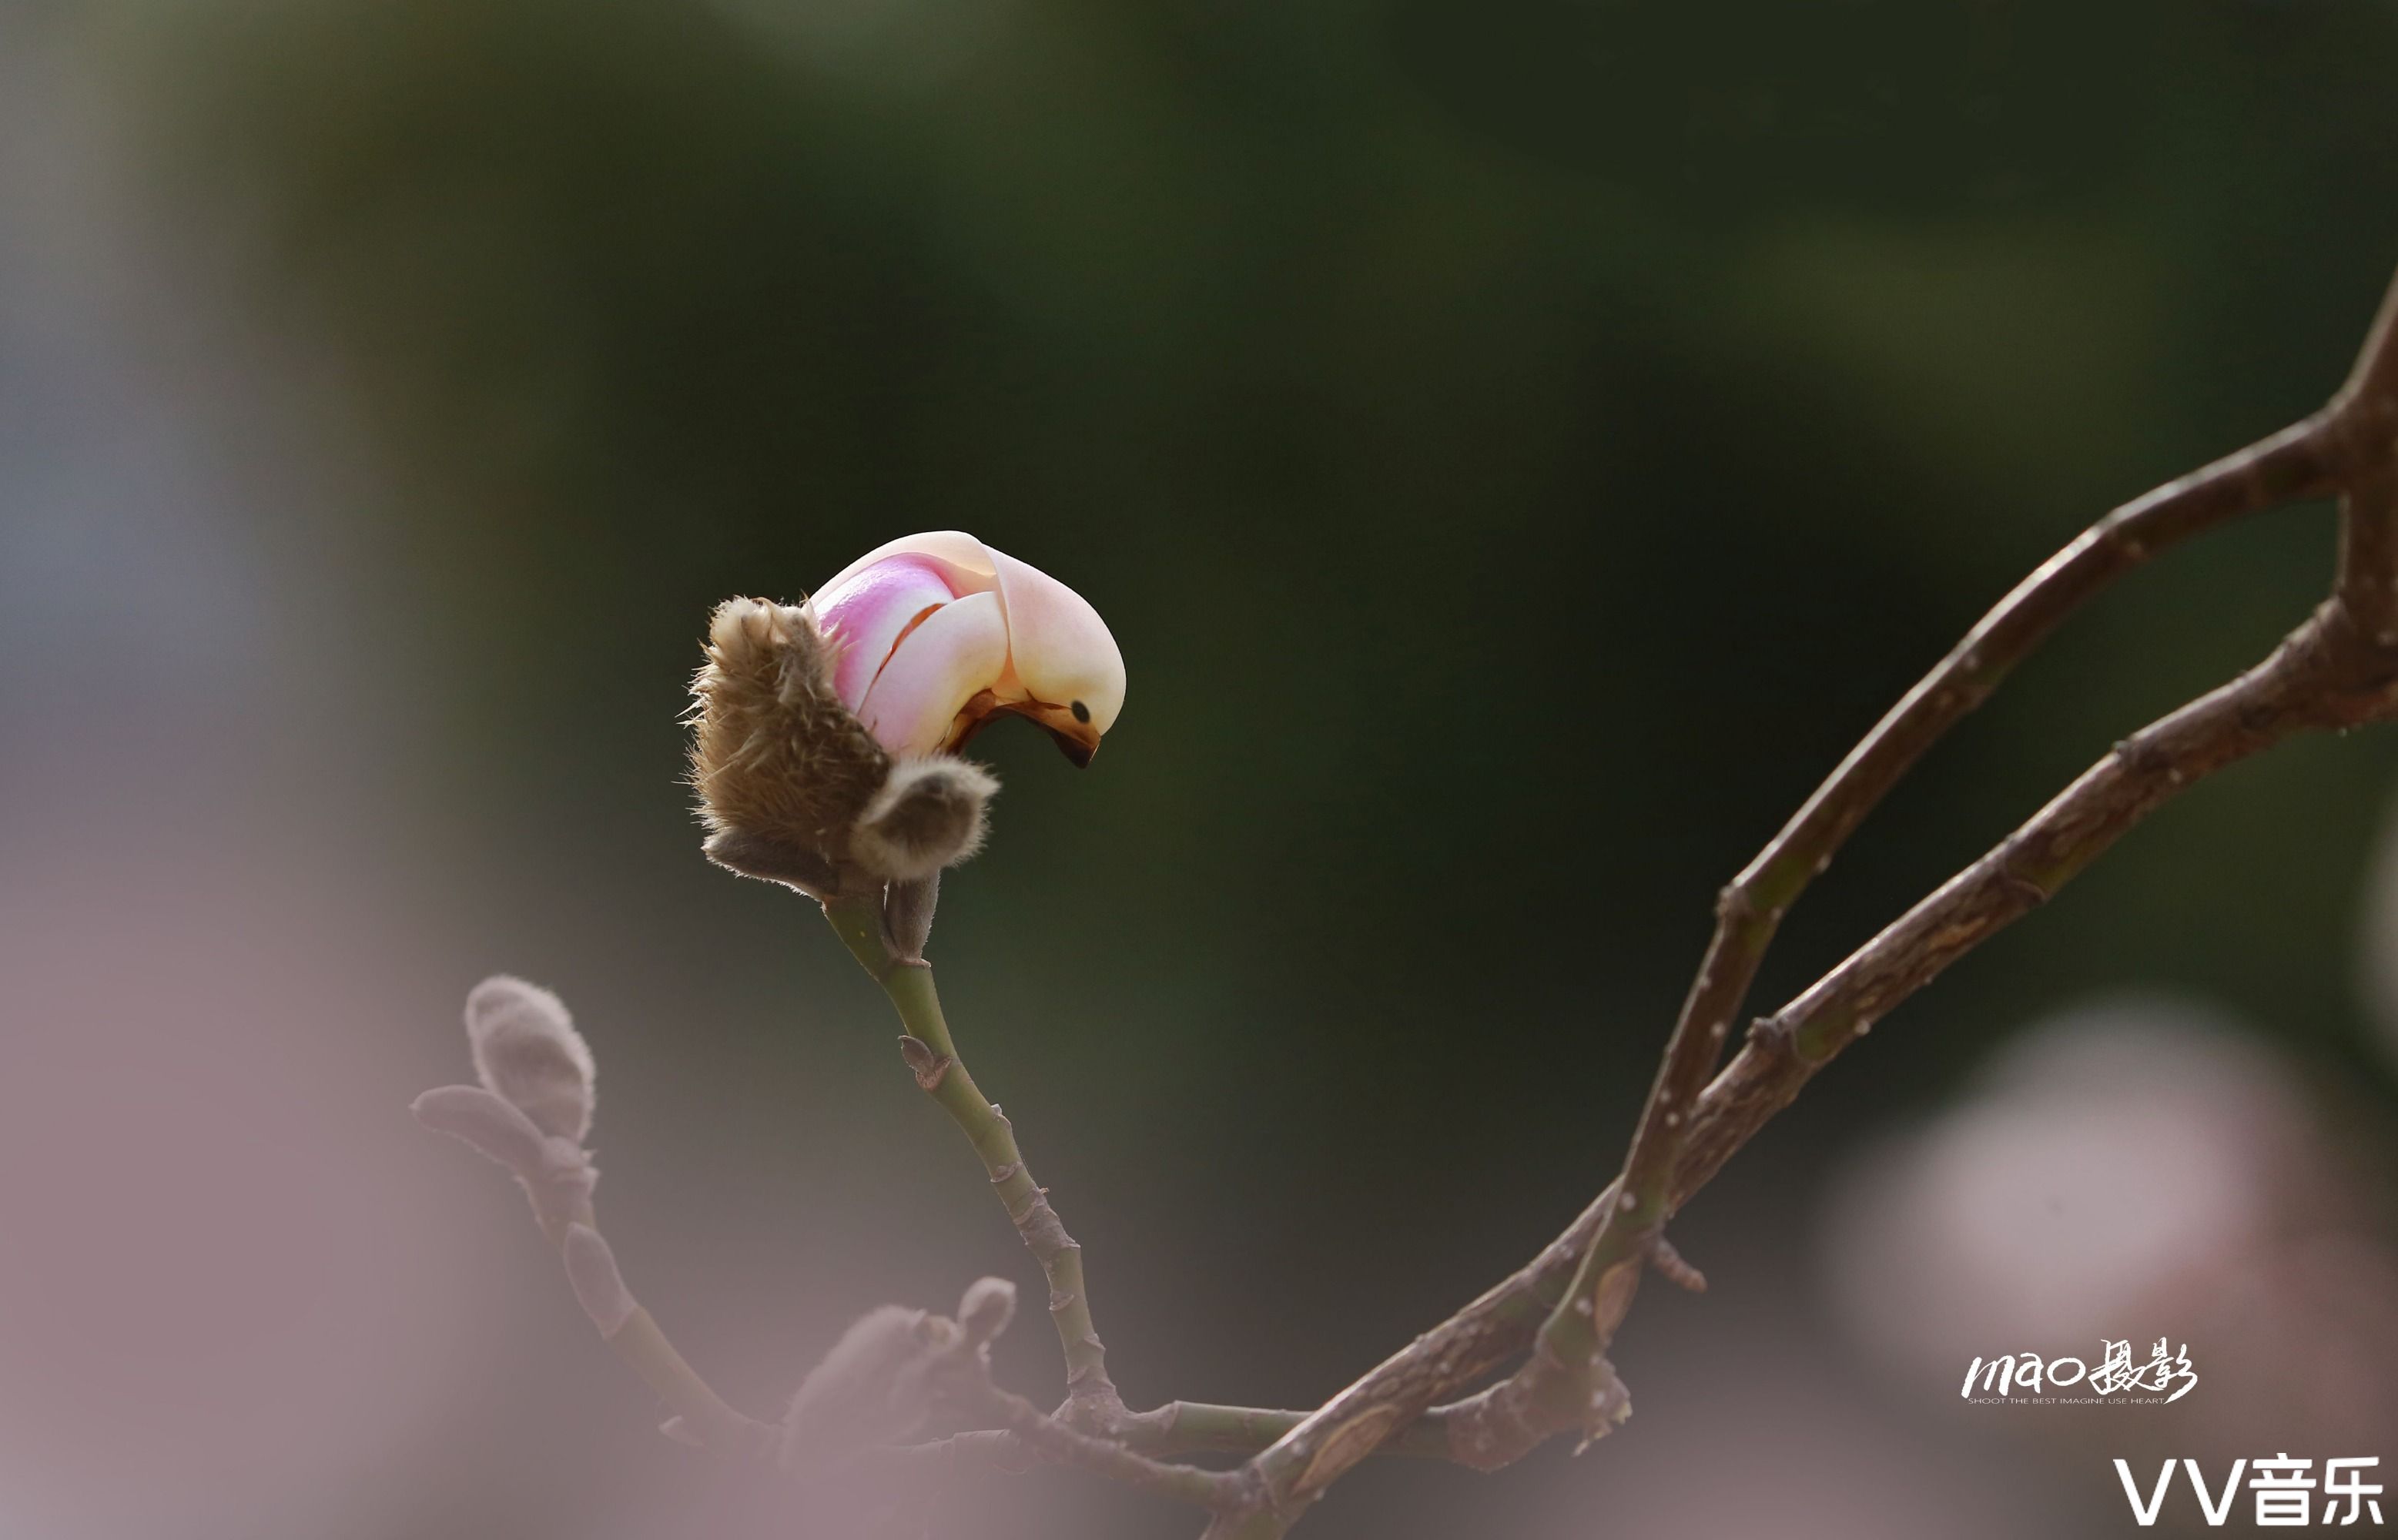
[
  {"x": 2326, "y": 674},
  {"x": 1058, "y": 1440},
  {"x": 1201, "y": 1427},
  {"x": 1091, "y": 1397},
  {"x": 557, "y": 1176},
  {"x": 1179, "y": 1428}
]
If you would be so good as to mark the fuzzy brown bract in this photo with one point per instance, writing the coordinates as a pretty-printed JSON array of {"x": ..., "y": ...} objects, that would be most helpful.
[{"x": 791, "y": 785}]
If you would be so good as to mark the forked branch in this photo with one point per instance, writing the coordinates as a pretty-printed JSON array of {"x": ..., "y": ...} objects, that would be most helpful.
[
  {"x": 2336, "y": 670},
  {"x": 1558, "y": 1314}
]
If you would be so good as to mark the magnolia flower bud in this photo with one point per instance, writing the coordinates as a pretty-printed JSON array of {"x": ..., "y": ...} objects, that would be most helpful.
[
  {"x": 493, "y": 1124},
  {"x": 527, "y": 1051},
  {"x": 874, "y": 1388},
  {"x": 989, "y": 1306},
  {"x": 937, "y": 633},
  {"x": 928, "y": 815},
  {"x": 824, "y": 735},
  {"x": 555, "y": 1173}
]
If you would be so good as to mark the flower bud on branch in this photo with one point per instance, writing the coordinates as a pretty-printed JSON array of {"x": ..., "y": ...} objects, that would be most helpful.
[
  {"x": 489, "y": 1123},
  {"x": 874, "y": 1388},
  {"x": 530, "y": 1114},
  {"x": 527, "y": 1050},
  {"x": 989, "y": 1306},
  {"x": 824, "y": 735},
  {"x": 556, "y": 1173}
]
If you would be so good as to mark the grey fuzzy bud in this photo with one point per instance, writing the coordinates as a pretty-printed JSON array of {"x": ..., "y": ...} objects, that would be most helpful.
[
  {"x": 598, "y": 1285},
  {"x": 487, "y": 1121},
  {"x": 555, "y": 1173},
  {"x": 990, "y": 1304},
  {"x": 526, "y": 1049},
  {"x": 874, "y": 1388},
  {"x": 928, "y": 815}
]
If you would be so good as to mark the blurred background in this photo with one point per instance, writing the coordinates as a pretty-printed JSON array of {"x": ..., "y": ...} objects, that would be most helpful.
[{"x": 1518, "y": 447}]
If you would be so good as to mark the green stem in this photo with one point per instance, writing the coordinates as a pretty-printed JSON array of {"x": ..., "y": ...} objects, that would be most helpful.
[
  {"x": 643, "y": 1346},
  {"x": 943, "y": 1076}
]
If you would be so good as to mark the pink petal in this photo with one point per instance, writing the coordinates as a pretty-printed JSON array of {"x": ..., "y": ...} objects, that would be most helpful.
[
  {"x": 959, "y": 651},
  {"x": 966, "y": 562},
  {"x": 865, "y": 609}
]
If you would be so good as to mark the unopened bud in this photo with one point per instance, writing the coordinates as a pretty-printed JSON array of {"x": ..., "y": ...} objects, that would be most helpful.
[
  {"x": 527, "y": 1050},
  {"x": 485, "y": 1120},
  {"x": 874, "y": 1388},
  {"x": 908, "y": 916},
  {"x": 555, "y": 1173},
  {"x": 990, "y": 1304},
  {"x": 928, "y": 815}
]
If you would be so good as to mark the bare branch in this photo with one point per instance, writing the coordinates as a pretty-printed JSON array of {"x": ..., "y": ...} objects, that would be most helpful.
[
  {"x": 2335, "y": 670},
  {"x": 1058, "y": 1440},
  {"x": 1561, "y": 1310},
  {"x": 931, "y": 1057},
  {"x": 557, "y": 1175},
  {"x": 2325, "y": 675},
  {"x": 958, "y": 1370},
  {"x": 1200, "y": 1427}
]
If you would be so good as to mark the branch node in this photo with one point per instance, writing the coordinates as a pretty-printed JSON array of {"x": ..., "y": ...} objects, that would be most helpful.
[
  {"x": 2141, "y": 755},
  {"x": 929, "y": 1068},
  {"x": 2032, "y": 892},
  {"x": 1677, "y": 1271}
]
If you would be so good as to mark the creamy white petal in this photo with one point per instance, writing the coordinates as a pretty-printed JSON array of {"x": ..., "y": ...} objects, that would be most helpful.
[{"x": 1063, "y": 653}]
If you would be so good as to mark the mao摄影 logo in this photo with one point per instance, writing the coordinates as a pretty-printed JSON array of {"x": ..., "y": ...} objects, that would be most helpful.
[{"x": 2117, "y": 1378}]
